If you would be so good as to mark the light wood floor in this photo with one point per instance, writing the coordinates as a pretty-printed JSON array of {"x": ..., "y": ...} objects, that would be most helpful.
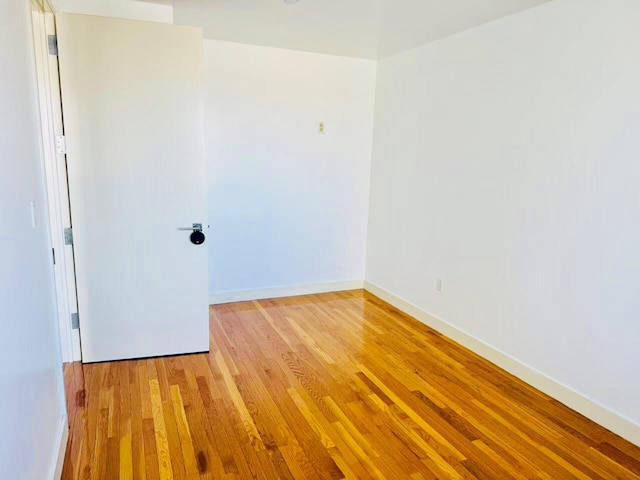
[{"x": 328, "y": 386}]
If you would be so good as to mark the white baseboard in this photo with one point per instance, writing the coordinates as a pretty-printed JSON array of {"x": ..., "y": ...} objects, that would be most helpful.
[
  {"x": 615, "y": 422},
  {"x": 58, "y": 459},
  {"x": 280, "y": 292}
]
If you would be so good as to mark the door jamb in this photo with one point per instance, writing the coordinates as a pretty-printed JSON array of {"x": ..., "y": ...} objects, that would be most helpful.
[{"x": 55, "y": 172}]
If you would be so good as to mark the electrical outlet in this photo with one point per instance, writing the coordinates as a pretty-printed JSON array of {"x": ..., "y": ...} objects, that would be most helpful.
[
  {"x": 440, "y": 285},
  {"x": 321, "y": 127}
]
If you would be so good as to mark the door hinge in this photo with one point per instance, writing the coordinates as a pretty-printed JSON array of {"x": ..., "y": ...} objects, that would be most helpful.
[
  {"x": 68, "y": 236},
  {"x": 53, "y": 45},
  {"x": 53, "y": 252},
  {"x": 75, "y": 321},
  {"x": 61, "y": 144}
]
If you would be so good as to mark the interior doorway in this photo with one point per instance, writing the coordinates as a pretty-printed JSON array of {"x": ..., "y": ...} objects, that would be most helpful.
[
  {"x": 131, "y": 275},
  {"x": 55, "y": 170}
]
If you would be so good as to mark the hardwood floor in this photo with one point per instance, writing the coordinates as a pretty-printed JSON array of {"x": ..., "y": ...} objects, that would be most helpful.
[{"x": 328, "y": 386}]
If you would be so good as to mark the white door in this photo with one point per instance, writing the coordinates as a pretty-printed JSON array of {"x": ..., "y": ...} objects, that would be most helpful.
[{"x": 133, "y": 116}]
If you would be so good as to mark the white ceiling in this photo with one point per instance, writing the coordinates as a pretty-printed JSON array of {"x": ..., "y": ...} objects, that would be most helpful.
[{"x": 354, "y": 28}]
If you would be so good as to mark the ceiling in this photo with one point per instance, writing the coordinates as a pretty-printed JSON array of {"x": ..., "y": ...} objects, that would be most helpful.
[{"x": 354, "y": 28}]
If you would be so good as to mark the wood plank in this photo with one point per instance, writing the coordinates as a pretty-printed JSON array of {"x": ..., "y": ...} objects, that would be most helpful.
[{"x": 331, "y": 386}]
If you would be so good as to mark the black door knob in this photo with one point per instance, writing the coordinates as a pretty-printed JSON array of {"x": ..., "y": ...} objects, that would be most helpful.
[{"x": 197, "y": 238}]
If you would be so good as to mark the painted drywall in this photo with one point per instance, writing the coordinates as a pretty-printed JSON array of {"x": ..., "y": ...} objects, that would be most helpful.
[
  {"x": 287, "y": 204},
  {"x": 128, "y": 9},
  {"x": 507, "y": 162},
  {"x": 31, "y": 386}
]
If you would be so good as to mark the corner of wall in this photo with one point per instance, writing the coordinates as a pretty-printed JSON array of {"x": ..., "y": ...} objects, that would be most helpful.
[{"x": 613, "y": 421}]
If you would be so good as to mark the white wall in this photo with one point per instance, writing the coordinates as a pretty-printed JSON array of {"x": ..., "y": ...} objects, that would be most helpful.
[
  {"x": 507, "y": 161},
  {"x": 129, "y": 9},
  {"x": 31, "y": 387},
  {"x": 287, "y": 205}
]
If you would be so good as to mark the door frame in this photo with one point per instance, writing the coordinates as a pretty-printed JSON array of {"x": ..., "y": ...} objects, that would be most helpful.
[{"x": 55, "y": 173}]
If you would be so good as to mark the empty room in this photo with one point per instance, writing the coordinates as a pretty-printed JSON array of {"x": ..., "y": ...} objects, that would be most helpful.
[{"x": 319, "y": 239}]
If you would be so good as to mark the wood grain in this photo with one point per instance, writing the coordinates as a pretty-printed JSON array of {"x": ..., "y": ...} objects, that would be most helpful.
[{"x": 331, "y": 386}]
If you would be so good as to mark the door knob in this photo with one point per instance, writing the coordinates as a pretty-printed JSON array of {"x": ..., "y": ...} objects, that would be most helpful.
[{"x": 197, "y": 236}]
